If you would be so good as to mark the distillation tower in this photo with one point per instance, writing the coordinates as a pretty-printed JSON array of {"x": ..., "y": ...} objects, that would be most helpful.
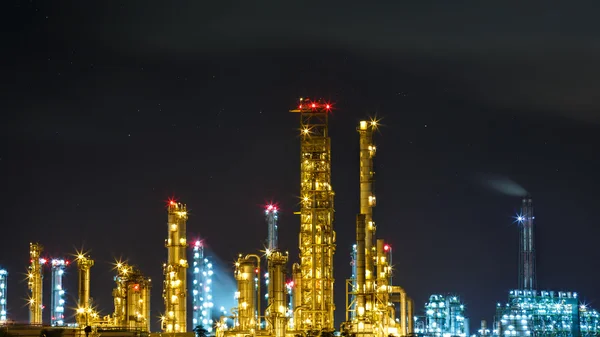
[
  {"x": 373, "y": 303},
  {"x": 35, "y": 281},
  {"x": 271, "y": 217},
  {"x": 313, "y": 276},
  {"x": 202, "y": 289},
  {"x": 57, "y": 311},
  {"x": 3, "y": 287},
  {"x": 131, "y": 298},
  {"x": 175, "y": 270},
  {"x": 84, "y": 306},
  {"x": 246, "y": 316},
  {"x": 277, "y": 307}
]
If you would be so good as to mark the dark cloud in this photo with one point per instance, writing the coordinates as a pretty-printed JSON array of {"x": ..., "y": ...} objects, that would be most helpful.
[{"x": 526, "y": 57}]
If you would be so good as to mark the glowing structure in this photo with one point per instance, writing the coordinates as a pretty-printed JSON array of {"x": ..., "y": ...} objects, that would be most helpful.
[
  {"x": 131, "y": 298},
  {"x": 3, "y": 287},
  {"x": 84, "y": 305},
  {"x": 545, "y": 313},
  {"x": 35, "y": 281},
  {"x": 373, "y": 305},
  {"x": 175, "y": 270},
  {"x": 57, "y": 311},
  {"x": 313, "y": 276},
  {"x": 367, "y": 197},
  {"x": 202, "y": 289},
  {"x": 247, "y": 271},
  {"x": 530, "y": 312},
  {"x": 354, "y": 285},
  {"x": 271, "y": 217},
  {"x": 445, "y": 317},
  {"x": 483, "y": 330},
  {"x": 276, "y": 313},
  {"x": 527, "y": 279}
]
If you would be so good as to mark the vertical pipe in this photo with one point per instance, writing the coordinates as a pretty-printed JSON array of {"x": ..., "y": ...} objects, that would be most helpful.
[
  {"x": 410, "y": 316},
  {"x": 296, "y": 294},
  {"x": 360, "y": 265},
  {"x": 403, "y": 312}
]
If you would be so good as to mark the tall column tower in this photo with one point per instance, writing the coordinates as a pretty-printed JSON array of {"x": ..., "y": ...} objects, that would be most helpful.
[
  {"x": 175, "y": 270},
  {"x": 317, "y": 237},
  {"x": 3, "y": 286},
  {"x": 271, "y": 217},
  {"x": 367, "y": 198},
  {"x": 202, "y": 289},
  {"x": 84, "y": 310},
  {"x": 527, "y": 279},
  {"x": 35, "y": 283},
  {"x": 57, "y": 311}
]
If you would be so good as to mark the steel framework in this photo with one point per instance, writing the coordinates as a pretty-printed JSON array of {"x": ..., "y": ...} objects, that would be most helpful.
[{"x": 314, "y": 292}]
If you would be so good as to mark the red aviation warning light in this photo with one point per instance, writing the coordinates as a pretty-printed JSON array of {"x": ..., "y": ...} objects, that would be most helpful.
[
  {"x": 387, "y": 248},
  {"x": 307, "y": 105}
]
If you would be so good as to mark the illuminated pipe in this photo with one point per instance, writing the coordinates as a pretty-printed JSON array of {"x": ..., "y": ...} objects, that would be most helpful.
[
  {"x": 57, "y": 311},
  {"x": 35, "y": 281},
  {"x": 296, "y": 293},
  {"x": 3, "y": 291},
  {"x": 84, "y": 265},
  {"x": 360, "y": 265},
  {"x": 353, "y": 259},
  {"x": 367, "y": 198},
  {"x": 175, "y": 270},
  {"x": 409, "y": 316}
]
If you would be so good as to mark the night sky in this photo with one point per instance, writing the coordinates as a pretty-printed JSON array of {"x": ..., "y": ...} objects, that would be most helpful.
[{"x": 109, "y": 110}]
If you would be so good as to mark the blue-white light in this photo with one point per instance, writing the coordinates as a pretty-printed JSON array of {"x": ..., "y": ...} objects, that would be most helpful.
[
  {"x": 201, "y": 292},
  {"x": 3, "y": 276}
]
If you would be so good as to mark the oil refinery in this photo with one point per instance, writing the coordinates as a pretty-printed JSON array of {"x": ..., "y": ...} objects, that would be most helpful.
[{"x": 281, "y": 296}]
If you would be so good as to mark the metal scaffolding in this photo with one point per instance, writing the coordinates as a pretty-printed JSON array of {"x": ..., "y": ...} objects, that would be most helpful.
[{"x": 314, "y": 291}]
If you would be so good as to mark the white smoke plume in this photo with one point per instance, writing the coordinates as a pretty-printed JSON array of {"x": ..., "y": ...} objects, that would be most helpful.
[
  {"x": 224, "y": 284},
  {"x": 502, "y": 184}
]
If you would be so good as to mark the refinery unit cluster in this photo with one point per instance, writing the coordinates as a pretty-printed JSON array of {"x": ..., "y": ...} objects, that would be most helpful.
[{"x": 276, "y": 299}]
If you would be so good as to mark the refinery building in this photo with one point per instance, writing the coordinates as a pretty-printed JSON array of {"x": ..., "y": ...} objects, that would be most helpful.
[{"x": 282, "y": 296}]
